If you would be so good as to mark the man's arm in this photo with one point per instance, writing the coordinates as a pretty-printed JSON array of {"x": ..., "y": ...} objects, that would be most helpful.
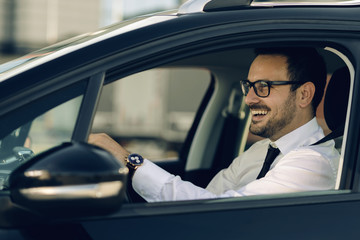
[
  {"x": 310, "y": 173},
  {"x": 106, "y": 142},
  {"x": 299, "y": 171},
  {"x": 150, "y": 181}
]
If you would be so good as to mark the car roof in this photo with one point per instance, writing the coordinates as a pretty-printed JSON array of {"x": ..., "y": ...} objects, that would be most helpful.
[
  {"x": 89, "y": 48},
  {"x": 193, "y": 6},
  {"x": 47, "y": 54}
]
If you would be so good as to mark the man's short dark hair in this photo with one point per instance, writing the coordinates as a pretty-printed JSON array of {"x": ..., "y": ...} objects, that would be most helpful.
[{"x": 305, "y": 64}]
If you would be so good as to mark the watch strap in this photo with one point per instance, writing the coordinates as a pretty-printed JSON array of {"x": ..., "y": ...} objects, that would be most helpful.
[{"x": 132, "y": 170}]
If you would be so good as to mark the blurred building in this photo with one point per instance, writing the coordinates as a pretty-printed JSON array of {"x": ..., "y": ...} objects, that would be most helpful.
[
  {"x": 160, "y": 119},
  {"x": 26, "y": 25}
]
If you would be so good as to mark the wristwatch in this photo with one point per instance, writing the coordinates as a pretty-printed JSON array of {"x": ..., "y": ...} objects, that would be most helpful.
[{"x": 133, "y": 161}]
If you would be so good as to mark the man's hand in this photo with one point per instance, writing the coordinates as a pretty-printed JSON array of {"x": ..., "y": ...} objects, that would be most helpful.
[{"x": 106, "y": 142}]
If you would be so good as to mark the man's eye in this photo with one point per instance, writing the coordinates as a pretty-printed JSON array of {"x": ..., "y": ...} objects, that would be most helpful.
[{"x": 261, "y": 86}]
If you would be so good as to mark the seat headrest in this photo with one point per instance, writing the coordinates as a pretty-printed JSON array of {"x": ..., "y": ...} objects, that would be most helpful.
[{"x": 336, "y": 99}]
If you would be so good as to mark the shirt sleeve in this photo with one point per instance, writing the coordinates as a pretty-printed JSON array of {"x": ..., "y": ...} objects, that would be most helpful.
[
  {"x": 297, "y": 171},
  {"x": 302, "y": 170},
  {"x": 155, "y": 184}
]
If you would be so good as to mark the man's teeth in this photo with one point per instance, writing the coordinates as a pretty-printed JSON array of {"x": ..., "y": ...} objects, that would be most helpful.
[{"x": 259, "y": 112}]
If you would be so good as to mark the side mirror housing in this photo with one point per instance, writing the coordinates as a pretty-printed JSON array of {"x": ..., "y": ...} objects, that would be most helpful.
[{"x": 74, "y": 179}]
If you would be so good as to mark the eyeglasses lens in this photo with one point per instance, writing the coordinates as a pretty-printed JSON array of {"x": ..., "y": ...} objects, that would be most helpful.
[
  {"x": 245, "y": 87},
  {"x": 261, "y": 88}
]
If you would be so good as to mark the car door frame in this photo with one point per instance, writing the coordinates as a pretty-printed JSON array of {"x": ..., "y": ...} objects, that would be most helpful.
[{"x": 243, "y": 211}]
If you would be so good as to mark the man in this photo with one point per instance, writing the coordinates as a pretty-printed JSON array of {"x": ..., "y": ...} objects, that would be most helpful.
[{"x": 283, "y": 90}]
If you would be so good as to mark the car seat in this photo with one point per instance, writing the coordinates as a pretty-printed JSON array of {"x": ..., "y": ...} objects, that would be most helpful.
[{"x": 335, "y": 105}]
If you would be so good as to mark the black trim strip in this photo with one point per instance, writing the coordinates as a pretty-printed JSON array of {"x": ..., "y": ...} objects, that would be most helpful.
[{"x": 88, "y": 107}]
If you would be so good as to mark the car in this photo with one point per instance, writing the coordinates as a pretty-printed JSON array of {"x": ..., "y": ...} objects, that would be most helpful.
[{"x": 167, "y": 85}]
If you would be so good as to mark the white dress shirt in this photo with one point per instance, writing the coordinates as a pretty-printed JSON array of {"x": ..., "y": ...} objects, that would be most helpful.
[{"x": 299, "y": 167}]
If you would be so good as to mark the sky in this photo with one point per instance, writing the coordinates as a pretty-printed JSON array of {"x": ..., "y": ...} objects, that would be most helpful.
[
  {"x": 132, "y": 7},
  {"x": 117, "y": 10}
]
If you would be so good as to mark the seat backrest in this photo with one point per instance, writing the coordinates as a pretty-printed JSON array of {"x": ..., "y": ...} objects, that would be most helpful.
[{"x": 335, "y": 103}]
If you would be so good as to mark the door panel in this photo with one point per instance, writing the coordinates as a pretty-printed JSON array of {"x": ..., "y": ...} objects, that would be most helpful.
[{"x": 329, "y": 217}]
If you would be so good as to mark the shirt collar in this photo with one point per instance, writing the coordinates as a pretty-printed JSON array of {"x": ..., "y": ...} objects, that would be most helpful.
[{"x": 305, "y": 135}]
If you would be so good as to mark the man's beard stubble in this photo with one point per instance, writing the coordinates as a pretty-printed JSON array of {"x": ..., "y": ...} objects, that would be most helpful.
[{"x": 275, "y": 124}]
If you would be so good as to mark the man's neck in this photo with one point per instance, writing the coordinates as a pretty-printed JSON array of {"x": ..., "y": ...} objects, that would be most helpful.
[{"x": 298, "y": 122}]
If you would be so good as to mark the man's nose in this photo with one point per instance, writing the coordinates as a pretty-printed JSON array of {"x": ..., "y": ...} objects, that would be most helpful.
[{"x": 251, "y": 97}]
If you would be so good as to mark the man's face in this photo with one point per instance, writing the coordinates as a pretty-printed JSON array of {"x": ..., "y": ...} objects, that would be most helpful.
[{"x": 272, "y": 116}]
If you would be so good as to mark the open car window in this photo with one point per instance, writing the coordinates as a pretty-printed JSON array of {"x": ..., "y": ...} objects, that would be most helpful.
[
  {"x": 139, "y": 111},
  {"x": 151, "y": 112}
]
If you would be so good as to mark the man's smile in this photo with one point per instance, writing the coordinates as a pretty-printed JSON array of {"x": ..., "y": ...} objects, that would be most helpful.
[
  {"x": 258, "y": 112},
  {"x": 258, "y": 115}
]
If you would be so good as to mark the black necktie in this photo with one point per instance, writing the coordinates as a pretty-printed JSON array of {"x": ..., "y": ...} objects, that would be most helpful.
[{"x": 270, "y": 157}]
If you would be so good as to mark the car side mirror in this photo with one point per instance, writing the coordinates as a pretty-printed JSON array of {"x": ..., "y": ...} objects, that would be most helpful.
[{"x": 74, "y": 179}]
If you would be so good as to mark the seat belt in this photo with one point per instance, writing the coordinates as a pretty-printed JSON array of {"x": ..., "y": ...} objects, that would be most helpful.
[{"x": 334, "y": 134}]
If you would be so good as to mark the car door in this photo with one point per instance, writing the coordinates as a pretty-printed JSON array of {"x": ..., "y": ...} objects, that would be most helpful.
[{"x": 299, "y": 215}]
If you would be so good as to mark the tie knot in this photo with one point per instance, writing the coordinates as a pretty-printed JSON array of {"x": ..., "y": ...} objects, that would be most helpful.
[
  {"x": 271, "y": 154},
  {"x": 269, "y": 159}
]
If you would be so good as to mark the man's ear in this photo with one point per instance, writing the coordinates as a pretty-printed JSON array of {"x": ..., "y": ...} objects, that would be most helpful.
[{"x": 306, "y": 94}]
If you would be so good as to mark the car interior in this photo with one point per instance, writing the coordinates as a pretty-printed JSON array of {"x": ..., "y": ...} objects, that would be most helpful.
[
  {"x": 219, "y": 131},
  {"x": 214, "y": 134}
]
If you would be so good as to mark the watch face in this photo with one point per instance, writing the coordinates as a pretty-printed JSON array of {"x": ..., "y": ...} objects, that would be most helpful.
[{"x": 135, "y": 159}]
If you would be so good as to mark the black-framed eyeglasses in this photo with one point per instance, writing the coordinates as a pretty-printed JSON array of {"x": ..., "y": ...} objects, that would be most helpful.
[{"x": 262, "y": 87}]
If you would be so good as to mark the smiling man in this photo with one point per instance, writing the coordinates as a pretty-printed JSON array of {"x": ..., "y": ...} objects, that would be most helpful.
[
  {"x": 283, "y": 90},
  {"x": 276, "y": 115}
]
